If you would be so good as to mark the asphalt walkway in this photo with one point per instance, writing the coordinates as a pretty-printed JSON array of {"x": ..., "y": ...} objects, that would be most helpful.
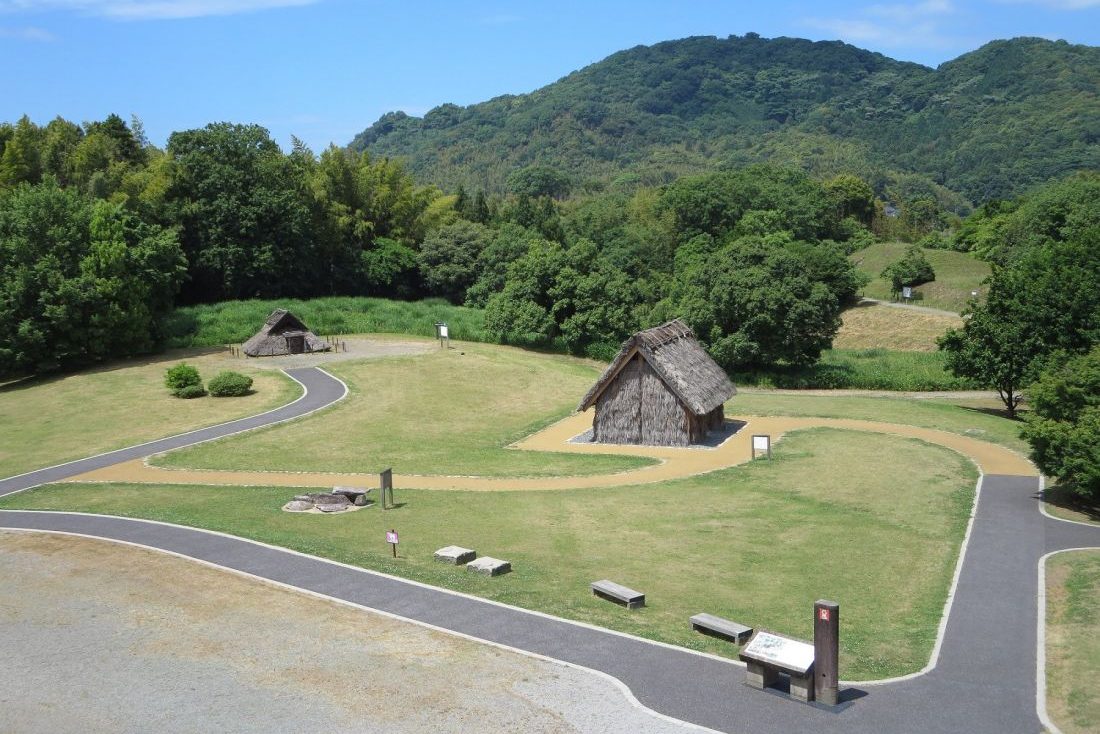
[{"x": 984, "y": 677}]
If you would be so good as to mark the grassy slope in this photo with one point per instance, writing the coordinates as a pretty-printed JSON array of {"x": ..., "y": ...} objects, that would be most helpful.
[
  {"x": 444, "y": 412},
  {"x": 1073, "y": 640},
  {"x": 744, "y": 543},
  {"x": 51, "y": 420},
  {"x": 957, "y": 274},
  {"x": 871, "y": 326},
  {"x": 233, "y": 322}
]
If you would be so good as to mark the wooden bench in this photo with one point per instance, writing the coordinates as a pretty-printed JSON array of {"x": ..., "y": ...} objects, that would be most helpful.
[
  {"x": 725, "y": 629},
  {"x": 768, "y": 655},
  {"x": 618, "y": 593}
]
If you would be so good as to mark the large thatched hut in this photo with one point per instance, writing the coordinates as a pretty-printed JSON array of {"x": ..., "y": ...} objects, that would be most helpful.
[
  {"x": 283, "y": 333},
  {"x": 662, "y": 389}
]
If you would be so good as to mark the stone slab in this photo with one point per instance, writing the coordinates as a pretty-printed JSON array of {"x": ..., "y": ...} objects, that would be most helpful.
[
  {"x": 455, "y": 555},
  {"x": 618, "y": 593},
  {"x": 726, "y": 629},
  {"x": 489, "y": 566}
]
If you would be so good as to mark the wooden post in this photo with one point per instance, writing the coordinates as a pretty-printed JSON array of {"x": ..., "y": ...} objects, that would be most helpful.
[
  {"x": 386, "y": 482},
  {"x": 826, "y": 651}
]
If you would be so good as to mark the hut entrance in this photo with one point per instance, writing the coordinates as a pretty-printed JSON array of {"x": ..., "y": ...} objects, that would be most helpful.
[{"x": 295, "y": 341}]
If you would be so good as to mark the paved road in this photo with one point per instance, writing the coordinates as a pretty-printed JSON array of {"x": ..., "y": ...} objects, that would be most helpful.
[
  {"x": 321, "y": 390},
  {"x": 984, "y": 681}
]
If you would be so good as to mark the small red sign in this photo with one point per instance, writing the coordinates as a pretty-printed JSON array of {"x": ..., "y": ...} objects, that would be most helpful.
[{"x": 823, "y": 614}]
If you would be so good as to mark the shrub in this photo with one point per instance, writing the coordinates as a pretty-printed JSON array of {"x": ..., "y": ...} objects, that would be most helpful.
[
  {"x": 913, "y": 269},
  {"x": 230, "y": 385},
  {"x": 189, "y": 391},
  {"x": 181, "y": 376}
]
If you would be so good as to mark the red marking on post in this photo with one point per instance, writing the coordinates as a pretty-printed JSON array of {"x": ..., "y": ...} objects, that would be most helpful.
[{"x": 823, "y": 615}]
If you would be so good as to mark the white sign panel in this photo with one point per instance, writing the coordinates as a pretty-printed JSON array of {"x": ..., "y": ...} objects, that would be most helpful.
[
  {"x": 443, "y": 334},
  {"x": 782, "y": 652},
  {"x": 759, "y": 443},
  {"x": 906, "y": 292}
]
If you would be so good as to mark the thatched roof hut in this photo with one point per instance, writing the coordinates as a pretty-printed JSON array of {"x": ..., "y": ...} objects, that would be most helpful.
[
  {"x": 283, "y": 333},
  {"x": 661, "y": 389}
]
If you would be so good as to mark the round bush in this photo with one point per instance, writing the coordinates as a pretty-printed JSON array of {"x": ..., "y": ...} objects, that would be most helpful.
[
  {"x": 230, "y": 385},
  {"x": 189, "y": 391},
  {"x": 181, "y": 376}
]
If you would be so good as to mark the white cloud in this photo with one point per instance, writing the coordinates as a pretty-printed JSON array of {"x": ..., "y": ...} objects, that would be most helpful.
[
  {"x": 150, "y": 9},
  {"x": 895, "y": 25},
  {"x": 28, "y": 34},
  {"x": 1058, "y": 4}
]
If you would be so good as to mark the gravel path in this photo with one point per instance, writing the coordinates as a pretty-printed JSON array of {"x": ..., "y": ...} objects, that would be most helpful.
[
  {"x": 910, "y": 307},
  {"x": 105, "y": 637}
]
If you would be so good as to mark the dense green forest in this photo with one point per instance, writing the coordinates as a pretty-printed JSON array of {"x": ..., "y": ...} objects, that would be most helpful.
[{"x": 988, "y": 125}]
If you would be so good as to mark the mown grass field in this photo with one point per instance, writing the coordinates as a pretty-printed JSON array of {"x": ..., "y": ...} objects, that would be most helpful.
[
  {"x": 444, "y": 412},
  {"x": 863, "y": 369},
  {"x": 873, "y": 326},
  {"x": 957, "y": 274},
  {"x": 50, "y": 420},
  {"x": 757, "y": 543},
  {"x": 1073, "y": 640}
]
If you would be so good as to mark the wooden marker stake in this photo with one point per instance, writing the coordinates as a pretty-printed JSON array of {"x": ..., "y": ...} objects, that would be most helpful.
[
  {"x": 826, "y": 651},
  {"x": 386, "y": 482}
]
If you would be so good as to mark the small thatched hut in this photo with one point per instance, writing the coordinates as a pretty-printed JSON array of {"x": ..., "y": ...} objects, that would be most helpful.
[
  {"x": 283, "y": 333},
  {"x": 662, "y": 389}
]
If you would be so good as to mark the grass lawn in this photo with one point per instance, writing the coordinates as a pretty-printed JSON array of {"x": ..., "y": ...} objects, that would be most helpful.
[
  {"x": 825, "y": 518},
  {"x": 978, "y": 421},
  {"x": 957, "y": 274},
  {"x": 444, "y": 412},
  {"x": 1073, "y": 640},
  {"x": 50, "y": 420},
  {"x": 863, "y": 369},
  {"x": 1067, "y": 505},
  {"x": 871, "y": 326}
]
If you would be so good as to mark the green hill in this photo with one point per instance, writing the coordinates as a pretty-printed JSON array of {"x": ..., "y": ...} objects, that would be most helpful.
[
  {"x": 958, "y": 274},
  {"x": 988, "y": 124}
]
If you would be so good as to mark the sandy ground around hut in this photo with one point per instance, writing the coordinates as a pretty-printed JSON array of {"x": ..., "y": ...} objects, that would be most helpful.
[
  {"x": 674, "y": 463},
  {"x": 100, "y": 636},
  {"x": 357, "y": 348}
]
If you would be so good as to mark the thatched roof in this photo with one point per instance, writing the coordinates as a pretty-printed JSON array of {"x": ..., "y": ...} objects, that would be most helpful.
[
  {"x": 681, "y": 363},
  {"x": 270, "y": 340}
]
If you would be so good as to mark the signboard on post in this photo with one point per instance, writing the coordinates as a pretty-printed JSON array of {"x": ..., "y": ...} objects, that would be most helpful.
[
  {"x": 906, "y": 292},
  {"x": 385, "y": 481},
  {"x": 443, "y": 334},
  {"x": 391, "y": 538},
  {"x": 761, "y": 443}
]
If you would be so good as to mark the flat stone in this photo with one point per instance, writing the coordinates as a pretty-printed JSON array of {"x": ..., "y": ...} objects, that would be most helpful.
[
  {"x": 489, "y": 566},
  {"x": 333, "y": 507},
  {"x": 325, "y": 498},
  {"x": 297, "y": 505},
  {"x": 360, "y": 501},
  {"x": 351, "y": 492},
  {"x": 455, "y": 555}
]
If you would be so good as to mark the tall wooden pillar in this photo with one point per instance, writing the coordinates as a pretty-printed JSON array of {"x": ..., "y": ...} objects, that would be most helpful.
[{"x": 826, "y": 651}]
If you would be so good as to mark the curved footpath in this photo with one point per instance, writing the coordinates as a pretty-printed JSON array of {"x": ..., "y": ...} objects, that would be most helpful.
[{"x": 983, "y": 676}]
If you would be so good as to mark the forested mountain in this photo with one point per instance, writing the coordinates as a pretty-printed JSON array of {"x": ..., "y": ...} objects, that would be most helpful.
[{"x": 986, "y": 125}]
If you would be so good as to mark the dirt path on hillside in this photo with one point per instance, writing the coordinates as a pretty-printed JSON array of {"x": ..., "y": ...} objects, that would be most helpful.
[{"x": 673, "y": 463}]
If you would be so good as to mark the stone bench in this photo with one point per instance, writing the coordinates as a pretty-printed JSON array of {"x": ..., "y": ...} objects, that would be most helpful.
[
  {"x": 489, "y": 566},
  {"x": 455, "y": 555},
  {"x": 708, "y": 624},
  {"x": 618, "y": 593},
  {"x": 767, "y": 655}
]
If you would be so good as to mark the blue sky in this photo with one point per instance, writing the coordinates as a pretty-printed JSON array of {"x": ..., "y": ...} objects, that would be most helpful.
[{"x": 325, "y": 69}]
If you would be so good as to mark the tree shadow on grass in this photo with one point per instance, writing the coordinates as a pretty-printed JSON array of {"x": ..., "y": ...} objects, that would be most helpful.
[{"x": 1065, "y": 498}]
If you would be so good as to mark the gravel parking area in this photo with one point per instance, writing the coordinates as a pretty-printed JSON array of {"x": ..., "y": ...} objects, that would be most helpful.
[{"x": 99, "y": 636}]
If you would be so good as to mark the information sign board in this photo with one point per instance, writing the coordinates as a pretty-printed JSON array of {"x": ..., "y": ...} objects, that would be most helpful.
[{"x": 781, "y": 652}]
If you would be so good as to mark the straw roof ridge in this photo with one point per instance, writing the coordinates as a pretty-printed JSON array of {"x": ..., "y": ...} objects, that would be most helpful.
[{"x": 679, "y": 360}]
